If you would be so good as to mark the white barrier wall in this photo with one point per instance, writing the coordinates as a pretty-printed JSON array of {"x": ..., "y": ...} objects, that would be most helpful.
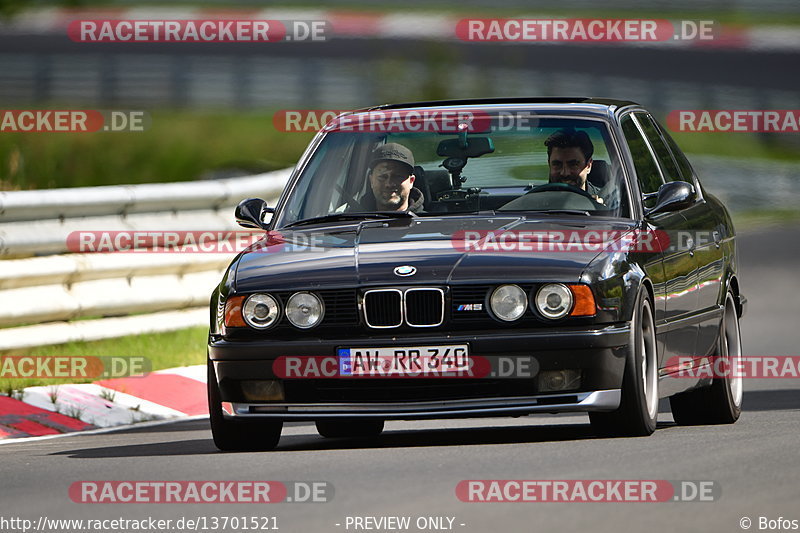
[{"x": 44, "y": 288}]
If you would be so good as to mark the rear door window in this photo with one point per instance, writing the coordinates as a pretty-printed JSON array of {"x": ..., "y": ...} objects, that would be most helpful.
[
  {"x": 647, "y": 172},
  {"x": 665, "y": 159},
  {"x": 685, "y": 171}
]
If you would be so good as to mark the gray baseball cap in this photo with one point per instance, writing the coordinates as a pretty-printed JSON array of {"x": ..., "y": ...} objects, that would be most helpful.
[{"x": 393, "y": 152}]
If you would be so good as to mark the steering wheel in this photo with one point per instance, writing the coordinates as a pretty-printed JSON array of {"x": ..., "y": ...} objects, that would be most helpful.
[{"x": 566, "y": 187}]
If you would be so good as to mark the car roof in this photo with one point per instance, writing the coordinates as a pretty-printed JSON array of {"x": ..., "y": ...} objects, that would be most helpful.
[{"x": 599, "y": 106}]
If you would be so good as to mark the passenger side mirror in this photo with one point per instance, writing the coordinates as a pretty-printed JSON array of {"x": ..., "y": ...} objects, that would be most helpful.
[
  {"x": 250, "y": 213},
  {"x": 672, "y": 196}
]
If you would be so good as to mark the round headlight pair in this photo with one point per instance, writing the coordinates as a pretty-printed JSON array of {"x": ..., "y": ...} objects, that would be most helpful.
[
  {"x": 260, "y": 311},
  {"x": 303, "y": 310},
  {"x": 554, "y": 300},
  {"x": 508, "y": 302}
]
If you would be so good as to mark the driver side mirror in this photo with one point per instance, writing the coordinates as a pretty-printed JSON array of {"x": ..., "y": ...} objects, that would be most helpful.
[
  {"x": 250, "y": 213},
  {"x": 671, "y": 197}
]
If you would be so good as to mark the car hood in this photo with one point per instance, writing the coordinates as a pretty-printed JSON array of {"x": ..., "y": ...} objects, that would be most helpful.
[{"x": 442, "y": 250}]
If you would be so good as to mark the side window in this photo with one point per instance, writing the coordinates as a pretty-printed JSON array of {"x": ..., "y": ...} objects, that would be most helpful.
[
  {"x": 684, "y": 168},
  {"x": 668, "y": 165},
  {"x": 318, "y": 188},
  {"x": 646, "y": 169}
]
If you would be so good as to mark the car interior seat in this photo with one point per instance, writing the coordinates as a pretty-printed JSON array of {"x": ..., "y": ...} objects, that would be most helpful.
[
  {"x": 599, "y": 173},
  {"x": 431, "y": 183}
]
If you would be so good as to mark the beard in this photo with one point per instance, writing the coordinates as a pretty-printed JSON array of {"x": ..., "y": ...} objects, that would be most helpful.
[
  {"x": 574, "y": 181},
  {"x": 392, "y": 198}
]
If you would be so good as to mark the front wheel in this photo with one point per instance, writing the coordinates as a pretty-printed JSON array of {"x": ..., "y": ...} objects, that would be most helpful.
[
  {"x": 721, "y": 403},
  {"x": 638, "y": 410},
  {"x": 238, "y": 435}
]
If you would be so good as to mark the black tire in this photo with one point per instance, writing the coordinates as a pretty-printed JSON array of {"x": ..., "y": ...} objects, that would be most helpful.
[
  {"x": 349, "y": 427},
  {"x": 720, "y": 403},
  {"x": 238, "y": 435},
  {"x": 638, "y": 410}
]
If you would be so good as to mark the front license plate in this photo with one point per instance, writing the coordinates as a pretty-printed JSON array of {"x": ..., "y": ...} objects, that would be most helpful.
[{"x": 404, "y": 361}]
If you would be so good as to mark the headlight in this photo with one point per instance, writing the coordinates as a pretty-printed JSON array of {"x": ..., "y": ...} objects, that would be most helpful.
[
  {"x": 304, "y": 310},
  {"x": 554, "y": 300},
  {"x": 508, "y": 302},
  {"x": 261, "y": 311}
]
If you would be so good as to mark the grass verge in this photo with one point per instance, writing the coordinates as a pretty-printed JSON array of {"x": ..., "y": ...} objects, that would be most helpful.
[
  {"x": 776, "y": 146},
  {"x": 164, "y": 350},
  {"x": 758, "y": 218}
]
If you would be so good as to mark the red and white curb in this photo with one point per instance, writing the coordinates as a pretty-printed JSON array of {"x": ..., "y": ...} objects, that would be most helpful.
[{"x": 176, "y": 393}]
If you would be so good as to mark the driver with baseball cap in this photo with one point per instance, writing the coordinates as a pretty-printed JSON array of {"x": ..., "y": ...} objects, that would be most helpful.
[{"x": 391, "y": 178}]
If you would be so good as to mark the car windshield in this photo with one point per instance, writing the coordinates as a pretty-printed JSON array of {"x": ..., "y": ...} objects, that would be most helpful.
[{"x": 499, "y": 162}]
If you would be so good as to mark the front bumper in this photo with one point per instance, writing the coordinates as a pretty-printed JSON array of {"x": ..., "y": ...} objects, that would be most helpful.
[
  {"x": 605, "y": 400},
  {"x": 597, "y": 353}
]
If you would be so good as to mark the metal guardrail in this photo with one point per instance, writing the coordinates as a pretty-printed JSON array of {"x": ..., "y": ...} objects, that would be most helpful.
[
  {"x": 39, "y": 222},
  {"x": 44, "y": 289},
  {"x": 17, "y": 206}
]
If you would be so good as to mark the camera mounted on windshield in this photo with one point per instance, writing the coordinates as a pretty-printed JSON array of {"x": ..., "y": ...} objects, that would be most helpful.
[{"x": 457, "y": 153}]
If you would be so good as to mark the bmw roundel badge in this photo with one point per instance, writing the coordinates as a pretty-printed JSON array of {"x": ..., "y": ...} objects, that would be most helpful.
[{"x": 405, "y": 270}]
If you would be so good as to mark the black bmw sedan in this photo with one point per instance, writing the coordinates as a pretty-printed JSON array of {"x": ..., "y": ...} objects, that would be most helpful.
[{"x": 480, "y": 258}]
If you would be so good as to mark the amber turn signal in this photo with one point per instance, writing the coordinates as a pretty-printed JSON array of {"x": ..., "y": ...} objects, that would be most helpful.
[
  {"x": 233, "y": 312},
  {"x": 584, "y": 301}
]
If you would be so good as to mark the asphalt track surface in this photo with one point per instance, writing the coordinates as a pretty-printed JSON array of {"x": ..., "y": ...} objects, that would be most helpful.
[{"x": 413, "y": 468}]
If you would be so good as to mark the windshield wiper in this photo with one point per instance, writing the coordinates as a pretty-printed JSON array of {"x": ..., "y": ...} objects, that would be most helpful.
[
  {"x": 565, "y": 212},
  {"x": 337, "y": 217},
  {"x": 547, "y": 211}
]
